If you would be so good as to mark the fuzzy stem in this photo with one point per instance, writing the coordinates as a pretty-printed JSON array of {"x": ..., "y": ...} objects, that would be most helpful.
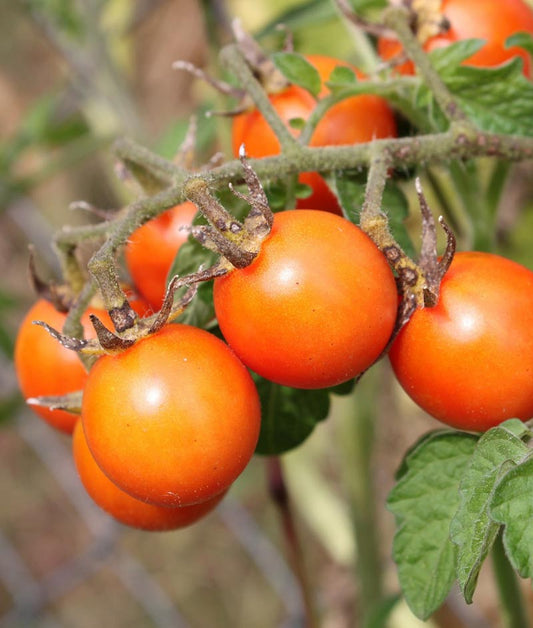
[
  {"x": 397, "y": 18},
  {"x": 234, "y": 59},
  {"x": 280, "y": 496},
  {"x": 511, "y": 599}
]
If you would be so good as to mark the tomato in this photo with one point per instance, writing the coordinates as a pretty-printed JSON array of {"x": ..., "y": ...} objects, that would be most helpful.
[
  {"x": 468, "y": 361},
  {"x": 44, "y": 367},
  {"x": 126, "y": 509},
  {"x": 491, "y": 20},
  {"x": 315, "y": 308},
  {"x": 351, "y": 121},
  {"x": 174, "y": 419},
  {"x": 151, "y": 249}
]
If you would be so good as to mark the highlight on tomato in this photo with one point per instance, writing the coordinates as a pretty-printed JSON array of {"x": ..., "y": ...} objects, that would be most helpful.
[
  {"x": 354, "y": 120},
  {"x": 468, "y": 361},
  {"x": 151, "y": 249},
  {"x": 124, "y": 508},
  {"x": 491, "y": 20},
  {"x": 315, "y": 308},
  {"x": 44, "y": 367},
  {"x": 174, "y": 419}
]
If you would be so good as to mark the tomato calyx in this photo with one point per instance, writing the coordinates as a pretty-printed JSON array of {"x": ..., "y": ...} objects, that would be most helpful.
[
  {"x": 237, "y": 243},
  {"x": 433, "y": 267},
  {"x": 70, "y": 402}
]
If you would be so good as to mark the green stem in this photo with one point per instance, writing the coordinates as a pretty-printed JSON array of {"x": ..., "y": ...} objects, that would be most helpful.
[
  {"x": 398, "y": 19},
  {"x": 467, "y": 181},
  {"x": 357, "y": 442},
  {"x": 234, "y": 59},
  {"x": 280, "y": 496},
  {"x": 511, "y": 599}
]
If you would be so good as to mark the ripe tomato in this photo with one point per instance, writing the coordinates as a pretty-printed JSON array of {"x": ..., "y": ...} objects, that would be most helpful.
[
  {"x": 174, "y": 419},
  {"x": 491, "y": 20},
  {"x": 44, "y": 367},
  {"x": 468, "y": 361},
  {"x": 354, "y": 120},
  {"x": 151, "y": 249},
  {"x": 315, "y": 308},
  {"x": 126, "y": 509}
]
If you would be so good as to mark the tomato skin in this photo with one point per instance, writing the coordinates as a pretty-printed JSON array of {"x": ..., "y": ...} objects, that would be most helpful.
[
  {"x": 151, "y": 249},
  {"x": 124, "y": 508},
  {"x": 354, "y": 120},
  {"x": 315, "y": 308},
  {"x": 44, "y": 367},
  {"x": 174, "y": 419},
  {"x": 492, "y": 20},
  {"x": 468, "y": 361}
]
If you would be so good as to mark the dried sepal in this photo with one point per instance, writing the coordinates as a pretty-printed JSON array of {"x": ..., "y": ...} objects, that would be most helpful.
[
  {"x": 123, "y": 317},
  {"x": 431, "y": 267},
  {"x": 260, "y": 218},
  {"x": 70, "y": 402},
  {"x": 109, "y": 342},
  {"x": 80, "y": 345}
]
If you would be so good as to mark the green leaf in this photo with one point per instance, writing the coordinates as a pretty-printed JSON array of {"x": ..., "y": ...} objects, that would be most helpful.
[
  {"x": 424, "y": 502},
  {"x": 512, "y": 506},
  {"x": 289, "y": 415},
  {"x": 296, "y": 69},
  {"x": 498, "y": 99},
  {"x": 297, "y": 123},
  {"x": 447, "y": 59},
  {"x": 472, "y": 529},
  {"x": 350, "y": 188},
  {"x": 522, "y": 40},
  {"x": 342, "y": 75}
]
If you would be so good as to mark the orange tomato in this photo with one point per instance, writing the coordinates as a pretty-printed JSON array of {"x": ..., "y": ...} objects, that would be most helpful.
[
  {"x": 126, "y": 509},
  {"x": 151, "y": 249}
]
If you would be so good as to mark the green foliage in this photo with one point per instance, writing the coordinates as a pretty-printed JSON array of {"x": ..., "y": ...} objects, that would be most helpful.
[
  {"x": 289, "y": 415},
  {"x": 512, "y": 506},
  {"x": 298, "y": 70},
  {"x": 472, "y": 529},
  {"x": 424, "y": 502},
  {"x": 497, "y": 99}
]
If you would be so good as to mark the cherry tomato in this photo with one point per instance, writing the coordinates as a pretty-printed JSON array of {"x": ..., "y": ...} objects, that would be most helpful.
[
  {"x": 468, "y": 361},
  {"x": 44, "y": 367},
  {"x": 126, "y": 509},
  {"x": 315, "y": 308},
  {"x": 151, "y": 249},
  {"x": 491, "y": 20},
  {"x": 174, "y": 419},
  {"x": 354, "y": 120}
]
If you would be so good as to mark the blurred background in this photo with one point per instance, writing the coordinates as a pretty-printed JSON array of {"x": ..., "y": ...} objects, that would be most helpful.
[{"x": 75, "y": 75}]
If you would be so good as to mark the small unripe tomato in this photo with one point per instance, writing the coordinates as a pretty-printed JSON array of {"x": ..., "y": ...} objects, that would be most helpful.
[
  {"x": 124, "y": 508},
  {"x": 354, "y": 120},
  {"x": 44, "y": 367},
  {"x": 315, "y": 308},
  {"x": 491, "y": 20},
  {"x": 151, "y": 249},
  {"x": 174, "y": 419},
  {"x": 468, "y": 361}
]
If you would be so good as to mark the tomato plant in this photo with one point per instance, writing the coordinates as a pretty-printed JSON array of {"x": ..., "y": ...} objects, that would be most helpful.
[
  {"x": 151, "y": 249},
  {"x": 491, "y": 20},
  {"x": 174, "y": 419},
  {"x": 468, "y": 361},
  {"x": 315, "y": 308},
  {"x": 44, "y": 367},
  {"x": 126, "y": 509},
  {"x": 351, "y": 121}
]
